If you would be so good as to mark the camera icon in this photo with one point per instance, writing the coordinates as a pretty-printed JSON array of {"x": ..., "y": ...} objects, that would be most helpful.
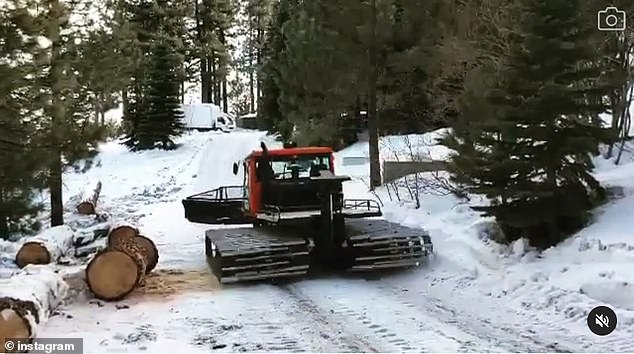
[{"x": 611, "y": 19}]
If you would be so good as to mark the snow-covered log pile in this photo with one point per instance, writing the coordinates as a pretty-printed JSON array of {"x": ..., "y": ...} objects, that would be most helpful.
[
  {"x": 79, "y": 238},
  {"x": 88, "y": 198},
  {"x": 91, "y": 238},
  {"x": 27, "y": 299},
  {"x": 117, "y": 270}
]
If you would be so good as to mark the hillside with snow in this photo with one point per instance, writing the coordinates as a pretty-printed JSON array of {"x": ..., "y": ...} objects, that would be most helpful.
[{"x": 474, "y": 295}]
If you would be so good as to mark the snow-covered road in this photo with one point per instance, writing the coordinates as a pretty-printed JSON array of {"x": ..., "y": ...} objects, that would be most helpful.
[{"x": 450, "y": 305}]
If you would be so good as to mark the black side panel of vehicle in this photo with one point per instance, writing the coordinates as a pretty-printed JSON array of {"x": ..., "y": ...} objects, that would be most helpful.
[{"x": 218, "y": 206}]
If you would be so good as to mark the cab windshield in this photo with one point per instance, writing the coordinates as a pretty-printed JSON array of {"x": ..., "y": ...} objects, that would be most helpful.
[{"x": 299, "y": 166}]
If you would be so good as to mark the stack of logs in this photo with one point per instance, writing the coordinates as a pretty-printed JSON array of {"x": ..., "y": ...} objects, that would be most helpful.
[
  {"x": 30, "y": 296},
  {"x": 121, "y": 267}
]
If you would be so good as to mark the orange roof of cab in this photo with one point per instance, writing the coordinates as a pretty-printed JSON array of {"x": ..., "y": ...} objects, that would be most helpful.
[{"x": 311, "y": 150}]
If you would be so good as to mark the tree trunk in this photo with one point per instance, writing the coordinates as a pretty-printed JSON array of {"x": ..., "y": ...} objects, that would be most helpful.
[
  {"x": 101, "y": 110},
  {"x": 251, "y": 73},
  {"x": 375, "y": 164},
  {"x": 55, "y": 186},
  {"x": 183, "y": 92},
  {"x": 225, "y": 96},
  {"x": 203, "y": 62},
  {"x": 119, "y": 269},
  {"x": 95, "y": 103},
  {"x": 125, "y": 102},
  {"x": 210, "y": 80},
  {"x": 89, "y": 197},
  {"x": 258, "y": 54},
  {"x": 215, "y": 95},
  {"x": 46, "y": 247},
  {"x": 4, "y": 221},
  {"x": 57, "y": 116},
  {"x": 26, "y": 301}
]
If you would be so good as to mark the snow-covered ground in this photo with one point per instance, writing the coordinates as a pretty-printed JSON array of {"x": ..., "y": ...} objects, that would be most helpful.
[{"x": 473, "y": 296}]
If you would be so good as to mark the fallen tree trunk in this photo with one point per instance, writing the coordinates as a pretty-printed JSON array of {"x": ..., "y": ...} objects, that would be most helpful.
[
  {"x": 122, "y": 231},
  {"x": 119, "y": 269},
  {"x": 88, "y": 198},
  {"x": 46, "y": 247},
  {"x": 26, "y": 301}
]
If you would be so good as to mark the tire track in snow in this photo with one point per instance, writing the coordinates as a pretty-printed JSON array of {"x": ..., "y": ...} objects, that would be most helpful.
[
  {"x": 267, "y": 318},
  {"x": 476, "y": 326},
  {"x": 389, "y": 323},
  {"x": 330, "y": 327},
  {"x": 527, "y": 329},
  {"x": 262, "y": 318}
]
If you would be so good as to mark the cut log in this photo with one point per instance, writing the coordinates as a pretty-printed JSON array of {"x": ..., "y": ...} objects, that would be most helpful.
[
  {"x": 12, "y": 325},
  {"x": 122, "y": 231},
  {"x": 27, "y": 299},
  {"x": 151, "y": 252},
  {"x": 116, "y": 271},
  {"x": 89, "y": 197},
  {"x": 46, "y": 247}
]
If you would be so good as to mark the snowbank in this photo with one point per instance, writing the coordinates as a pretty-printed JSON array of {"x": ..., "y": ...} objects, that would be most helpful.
[{"x": 592, "y": 268}]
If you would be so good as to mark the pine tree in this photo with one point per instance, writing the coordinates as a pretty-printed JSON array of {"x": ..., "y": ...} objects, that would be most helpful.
[
  {"x": 20, "y": 162},
  {"x": 269, "y": 112},
  {"x": 66, "y": 127},
  {"x": 212, "y": 47},
  {"x": 154, "y": 107},
  {"x": 163, "y": 119},
  {"x": 47, "y": 102},
  {"x": 532, "y": 156}
]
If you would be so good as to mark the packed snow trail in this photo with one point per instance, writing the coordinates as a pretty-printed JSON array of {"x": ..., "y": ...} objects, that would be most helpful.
[{"x": 458, "y": 303}]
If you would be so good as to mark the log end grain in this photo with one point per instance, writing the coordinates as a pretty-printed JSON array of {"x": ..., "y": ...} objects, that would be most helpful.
[
  {"x": 150, "y": 250},
  {"x": 121, "y": 233},
  {"x": 112, "y": 274},
  {"x": 86, "y": 208},
  {"x": 32, "y": 253},
  {"x": 12, "y": 326}
]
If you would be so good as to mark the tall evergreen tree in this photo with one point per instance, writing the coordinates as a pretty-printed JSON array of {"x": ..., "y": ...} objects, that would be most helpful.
[
  {"x": 154, "y": 113},
  {"x": 532, "y": 156},
  {"x": 20, "y": 162},
  {"x": 211, "y": 45},
  {"x": 269, "y": 112},
  {"x": 163, "y": 119},
  {"x": 46, "y": 107},
  {"x": 326, "y": 62},
  {"x": 68, "y": 133}
]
